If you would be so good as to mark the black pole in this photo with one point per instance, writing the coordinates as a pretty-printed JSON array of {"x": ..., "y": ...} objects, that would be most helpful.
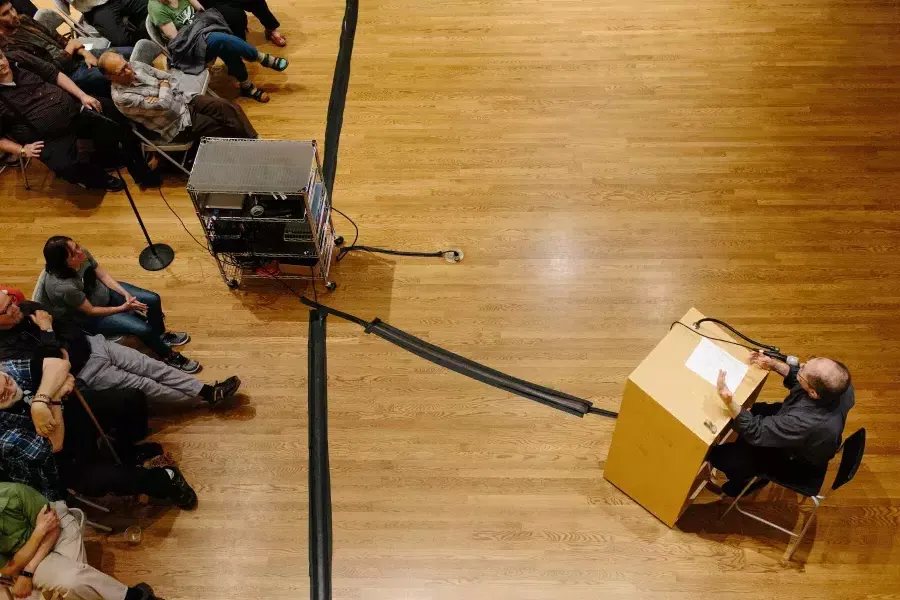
[
  {"x": 338, "y": 99},
  {"x": 155, "y": 256},
  {"x": 319, "y": 473}
]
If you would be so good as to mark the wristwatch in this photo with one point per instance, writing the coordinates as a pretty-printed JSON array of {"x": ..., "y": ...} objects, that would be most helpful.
[
  {"x": 22, "y": 152},
  {"x": 28, "y": 574}
]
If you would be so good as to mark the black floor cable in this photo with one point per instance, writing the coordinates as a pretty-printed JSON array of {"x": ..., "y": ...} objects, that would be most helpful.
[
  {"x": 449, "y": 360},
  {"x": 320, "y": 533}
]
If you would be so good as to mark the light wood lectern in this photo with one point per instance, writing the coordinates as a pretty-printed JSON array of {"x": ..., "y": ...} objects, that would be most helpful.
[{"x": 669, "y": 418}]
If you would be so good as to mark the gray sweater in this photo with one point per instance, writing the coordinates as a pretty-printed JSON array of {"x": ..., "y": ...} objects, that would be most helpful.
[{"x": 810, "y": 428}]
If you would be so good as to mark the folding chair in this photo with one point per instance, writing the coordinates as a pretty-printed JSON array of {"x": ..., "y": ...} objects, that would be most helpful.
[
  {"x": 89, "y": 37},
  {"x": 809, "y": 485},
  {"x": 8, "y": 160}
]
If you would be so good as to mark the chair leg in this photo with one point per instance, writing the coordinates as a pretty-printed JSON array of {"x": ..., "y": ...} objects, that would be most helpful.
[
  {"x": 796, "y": 542},
  {"x": 23, "y": 164},
  {"x": 99, "y": 527},
  {"x": 743, "y": 491}
]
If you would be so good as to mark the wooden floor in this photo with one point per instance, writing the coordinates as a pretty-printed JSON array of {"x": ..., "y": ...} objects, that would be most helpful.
[{"x": 605, "y": 166}]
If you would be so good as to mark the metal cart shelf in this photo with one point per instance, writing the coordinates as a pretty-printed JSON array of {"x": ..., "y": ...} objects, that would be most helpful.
[{"x": 263, "y": 207}]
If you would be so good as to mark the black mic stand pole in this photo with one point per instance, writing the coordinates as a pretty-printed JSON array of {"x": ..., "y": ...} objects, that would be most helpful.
[{"x": 154, "y": 257}]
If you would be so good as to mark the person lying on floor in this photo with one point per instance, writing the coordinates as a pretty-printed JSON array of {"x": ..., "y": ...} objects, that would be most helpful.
[
  {"x": 52, "y": 450},
  {"x": 75, "y": 285},
  {"x": 159, "y": 101},
  {"x": 28, "y": 331},
  {"x": 22, "y": 33},
  {"x": 196, "y": 39},
  {"x": 43, "y": 115},
  {"x": 42, "y": 547}
]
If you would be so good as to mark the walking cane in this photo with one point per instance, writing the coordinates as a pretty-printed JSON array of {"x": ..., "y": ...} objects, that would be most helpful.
[{"x": 90, "y": 413}]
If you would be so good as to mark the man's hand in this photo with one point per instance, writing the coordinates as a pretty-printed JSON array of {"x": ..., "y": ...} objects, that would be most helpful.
[
  {"x": 724, "y": 393},
  {"x": 66, "y": 388},
  {"x": 44, "y": 423},
  {"x": 164, "y": 82},
  {"x": 89, "y": 59},
  {"x": 72, "y": 47},
  {"x": 758, "y": 359},
  {"x": 23, "y": 587},
  {"x": 47, "y": 521},
  {"x": 33, "y": 150},
  {"x": 42, "y": 319},
  {"x": 91, "y": 103}
]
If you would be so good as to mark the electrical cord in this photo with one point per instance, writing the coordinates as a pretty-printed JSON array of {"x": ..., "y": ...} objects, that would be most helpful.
[
  {"x": 452, "y": 255},
  {"x": 735, "y": 332},
  {"x": 709, "y": 337}
]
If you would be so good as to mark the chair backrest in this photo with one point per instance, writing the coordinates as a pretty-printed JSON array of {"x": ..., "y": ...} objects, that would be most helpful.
[
  {"x": 851, "y": 456},
  {"x": 49, "y": 18},
  {"x": 154, "y": 33},
  {"x": 146, "y": 51},
  {"x": 38, "y": 294}
]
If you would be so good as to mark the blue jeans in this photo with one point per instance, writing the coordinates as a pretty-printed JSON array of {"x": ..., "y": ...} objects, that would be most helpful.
[
  {"x": 231, "y": 50},
  {"x": 148, "y": 330},
  {"x": 91, "y": 80}
]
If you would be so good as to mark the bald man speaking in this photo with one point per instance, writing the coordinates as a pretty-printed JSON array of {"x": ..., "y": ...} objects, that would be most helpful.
[{"x": 798, "y": 435}]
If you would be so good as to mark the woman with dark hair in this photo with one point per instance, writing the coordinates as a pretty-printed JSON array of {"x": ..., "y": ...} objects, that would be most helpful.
[{"x": 76, "y": 285}]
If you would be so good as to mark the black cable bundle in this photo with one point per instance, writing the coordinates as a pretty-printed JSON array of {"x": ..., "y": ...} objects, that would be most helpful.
[
  {"x": 338, "y": 99},
  {"x": 319, "y": 472}
]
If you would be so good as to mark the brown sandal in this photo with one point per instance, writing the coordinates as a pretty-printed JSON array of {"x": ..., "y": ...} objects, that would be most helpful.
[{"x": 276, "y": 38}]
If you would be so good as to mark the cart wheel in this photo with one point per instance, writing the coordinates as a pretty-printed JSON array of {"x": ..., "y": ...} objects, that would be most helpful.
[
  {"x": 339, "y": 240},
  {"x": 330, "y": 285},
  {"x": 233, "y": 284}
]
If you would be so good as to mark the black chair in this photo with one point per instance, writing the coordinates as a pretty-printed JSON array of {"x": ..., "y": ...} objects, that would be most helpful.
[{"x": 809, "y": 484}]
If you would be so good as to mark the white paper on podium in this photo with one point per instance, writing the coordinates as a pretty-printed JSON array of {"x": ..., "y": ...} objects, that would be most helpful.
[{"x": 707, "y": 360}]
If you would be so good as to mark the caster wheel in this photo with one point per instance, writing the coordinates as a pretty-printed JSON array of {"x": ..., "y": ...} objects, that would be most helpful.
[
  {"x": 339, "y": 240},
  {"x": 331, "y": 286},
  {"x": 233, "y": 284}
]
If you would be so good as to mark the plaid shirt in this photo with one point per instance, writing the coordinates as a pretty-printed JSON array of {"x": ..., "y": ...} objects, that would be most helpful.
[
  {"x": 26, "y": 457},
  {"x": 158, "y": 108}
]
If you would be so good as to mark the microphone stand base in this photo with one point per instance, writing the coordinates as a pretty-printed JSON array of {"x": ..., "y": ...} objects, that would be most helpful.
[{"x": 156, "y": 257}]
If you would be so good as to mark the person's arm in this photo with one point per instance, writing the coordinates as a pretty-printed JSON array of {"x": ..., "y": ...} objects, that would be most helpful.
[
  {"x": 101, "y": 311},
  {"x": 197, "y": 6},
  {"x": 24, "y": 584},
  {"x": 161, "y": 75},
  {"x": 89, "y": 102},
  {"x": 44, "y": 322},
  {"x": 37, "y": 510},
  {"x": 23, "y": 555},
  {"x": 169, "y": 30},
  {"x": 777, "y": 431},
  {"x": 107, "y": 279},
  {"x": 32, "y": 150}
]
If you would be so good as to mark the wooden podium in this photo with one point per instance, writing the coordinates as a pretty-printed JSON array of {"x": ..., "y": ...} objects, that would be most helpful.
[{"x": 669, "y": 418}]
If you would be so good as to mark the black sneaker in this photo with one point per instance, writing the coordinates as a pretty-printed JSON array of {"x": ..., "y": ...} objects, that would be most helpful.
[
  {"x": 223, "y": 390},
  {"x": 180, "y": 361},
  {"x": 141, "y": 591},
  {"x": 183, "y": 495},
  {"x": 176, "y": 338},
  {"x": 110, "y": 184},
  {"x": 145, "y": 451}
]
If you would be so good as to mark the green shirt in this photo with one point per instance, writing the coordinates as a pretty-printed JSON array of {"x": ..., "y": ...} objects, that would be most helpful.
[
  {"x": 19, "y": 509},
  {"x": 161, "y": 12}
]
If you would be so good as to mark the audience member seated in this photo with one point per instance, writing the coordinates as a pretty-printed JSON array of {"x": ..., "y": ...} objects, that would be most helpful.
[
  {"x": 154, "y": 99},
  {"x": 60, "y": 452},
  {"x": 260, "y": 9},
  {"x": 109, "y": 18},
  {"x": 28, "y": 332},
  {"x": 25, "y": 7},
  {"x": 75, "y": 285},
  {"x": 42, "y": 547},
  {"x": 23, "y": 33},
  {"x": 197, "y": 36},
  {"x": 43, "y": 114}
]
